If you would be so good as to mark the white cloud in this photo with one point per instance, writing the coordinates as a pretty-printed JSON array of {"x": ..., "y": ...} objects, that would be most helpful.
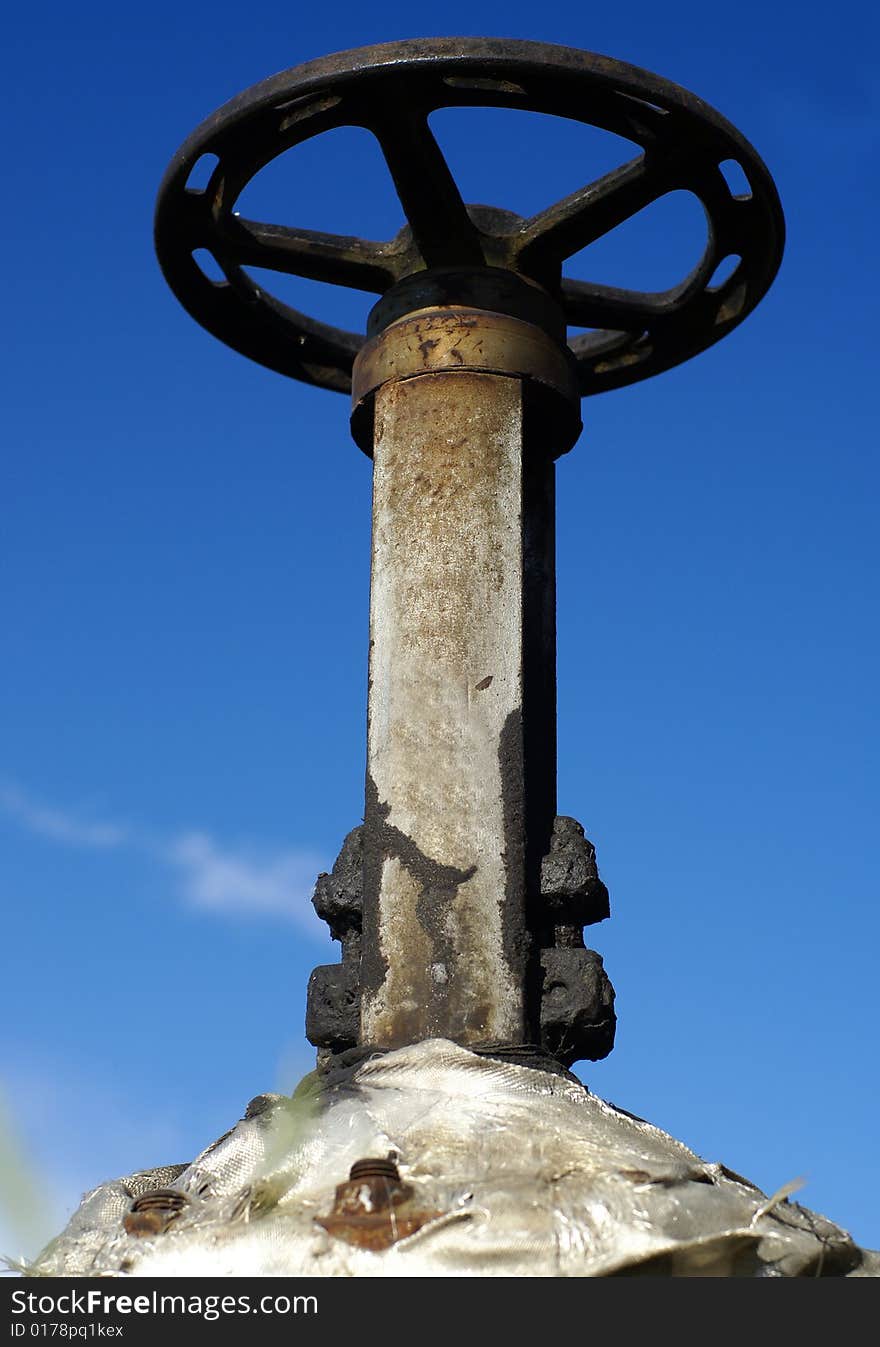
[
  {"x": 244, "y": 881},
  {"x": 58, "y": 825},
  {"x": 227, "y": 881}
]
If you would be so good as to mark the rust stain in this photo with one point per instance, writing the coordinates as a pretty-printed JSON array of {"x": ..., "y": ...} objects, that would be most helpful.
[
  {"x": 444, "y": 469},
  {"x": 152, "y": 1213},
  {"x": 373, "y": 1209}
]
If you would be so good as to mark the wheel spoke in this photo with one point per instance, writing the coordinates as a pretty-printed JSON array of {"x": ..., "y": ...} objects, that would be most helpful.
[
  {"x": 336, "y": 258},
  {"x": 604, "y": 306},
  {"x": 441, "y": 227},
  {"x": 578, "y": 220}
]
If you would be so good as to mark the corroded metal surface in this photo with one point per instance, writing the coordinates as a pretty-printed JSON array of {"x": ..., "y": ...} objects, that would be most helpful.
[
  {"x": 458, "y": 339},
  {"x": 577, "y": 1017},
  {"x": 333, "y": 1007},
  {"x": 502, "y": 1171},
  {"x": 154, "y": 1212},
  {"x": 374, "y": 1209},
  {"x": 445, "y": 942}
]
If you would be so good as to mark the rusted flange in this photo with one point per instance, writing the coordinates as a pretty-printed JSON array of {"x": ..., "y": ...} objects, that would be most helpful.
[{"x": 456, "y": 339}]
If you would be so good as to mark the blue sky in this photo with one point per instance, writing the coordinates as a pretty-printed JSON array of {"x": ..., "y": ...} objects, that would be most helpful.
[{"x": 185, "y": 554}]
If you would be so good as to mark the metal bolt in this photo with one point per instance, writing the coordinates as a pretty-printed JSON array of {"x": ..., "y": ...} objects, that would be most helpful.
[{"x": 374, "y": 1169}]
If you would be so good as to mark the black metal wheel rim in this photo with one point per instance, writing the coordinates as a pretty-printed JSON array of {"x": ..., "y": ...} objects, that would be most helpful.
[{"x": 390, "y": 90}]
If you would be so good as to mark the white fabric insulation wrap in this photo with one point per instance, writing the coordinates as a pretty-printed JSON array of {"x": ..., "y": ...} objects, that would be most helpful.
[{"x": 504, "y": 1170}]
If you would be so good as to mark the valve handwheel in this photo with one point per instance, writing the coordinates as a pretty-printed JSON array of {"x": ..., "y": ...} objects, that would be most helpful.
[{"x": 391, "y": 90}]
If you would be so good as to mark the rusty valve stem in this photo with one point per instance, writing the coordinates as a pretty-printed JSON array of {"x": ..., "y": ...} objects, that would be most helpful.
[{"x": 464, "y": 410}]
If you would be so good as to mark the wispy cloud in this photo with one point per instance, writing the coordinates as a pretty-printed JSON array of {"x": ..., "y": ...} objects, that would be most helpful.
[
  {"x": 242, "y": 881},
  {"x": 222, "y": 880},
  {"x": 59, "y": 826}
]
